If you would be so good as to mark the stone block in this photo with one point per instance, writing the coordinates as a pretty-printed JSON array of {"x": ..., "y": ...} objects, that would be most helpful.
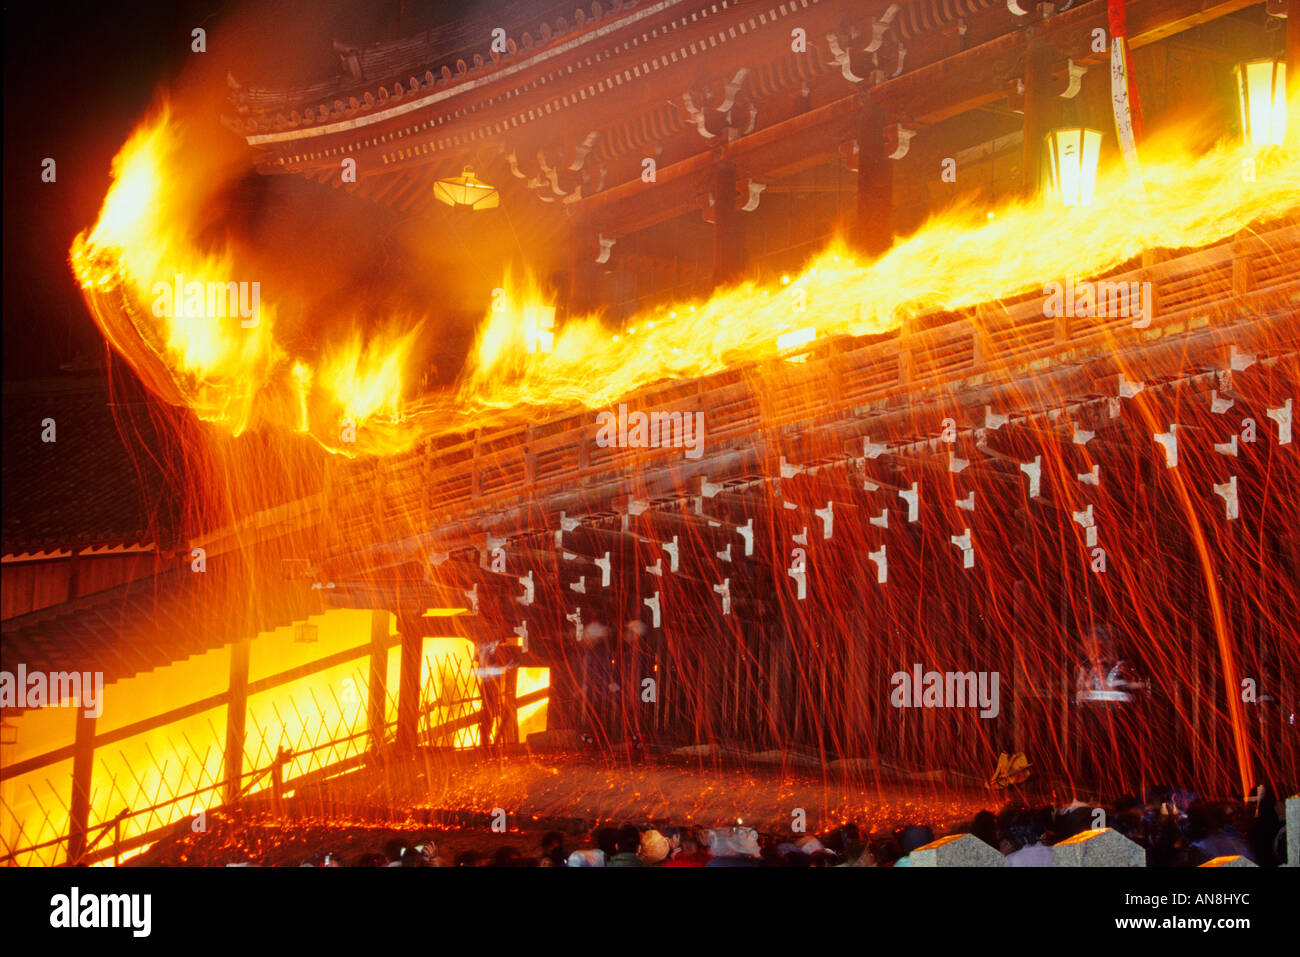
[
  {"x": 1293, "y": 831},
  {"x": 957, "y": 850},
  {"x": 1103, "y": 847}
]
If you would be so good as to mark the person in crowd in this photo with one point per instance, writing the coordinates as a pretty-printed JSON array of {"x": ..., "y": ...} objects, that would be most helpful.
[
  {"x": 1265, "y": 826},
  {"x": 734, "y": 847},
  {"x": 587, "y": 857},
  {"x": 506, "y": 857},
  {"x": 985, "y": 827},
  {"x": 909, "y": 839},
  {"x": 553, "y": 849},
  {"x": 607, "y": 840},
  {"x": 498, "y": 717},
  {"x": 396, "y": 851},
  {"x": 427, "y": 848},
  {"x": 626, "y": 845},
  {"x": 693, "y": 852},
  {"x": 1027, "y": 831},
  {"x": 654, "y": 848},
  {"x": 1209, "y": 837}
]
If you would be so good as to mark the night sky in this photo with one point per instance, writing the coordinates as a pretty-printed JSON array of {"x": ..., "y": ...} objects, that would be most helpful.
[{"x": 78, "y": 77}]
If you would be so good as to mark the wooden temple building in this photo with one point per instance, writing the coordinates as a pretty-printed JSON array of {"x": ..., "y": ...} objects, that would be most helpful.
[{"x": 986, "y": 490}]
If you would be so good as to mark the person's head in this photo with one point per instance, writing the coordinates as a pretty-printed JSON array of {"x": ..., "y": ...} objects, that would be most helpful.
[
  {"x": 505, "y": 857},
  {"x": 734, "y": 842},
  {"x": 607, "y": 840},
  {"x": 469, "y": 859},
  {"x": 914, "y": 836},
  {"x": 985, "y": 827},
  {"x": 396, "y": 849},
  {"x": 689, "y": 842},
  {"x": 1025, "y": 830},
  {"x": 653, "y": 848},
  {"x": 628, "y": 840}
]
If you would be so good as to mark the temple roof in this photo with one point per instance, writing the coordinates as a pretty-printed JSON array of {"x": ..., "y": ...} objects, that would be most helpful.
[{"x": 91, "y": 486}]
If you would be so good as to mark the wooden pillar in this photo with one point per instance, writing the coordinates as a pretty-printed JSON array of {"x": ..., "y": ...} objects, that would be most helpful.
[
  {"x": 83, "y": 766},
  {"x": 1041, "y": 113},
  {"x": 236, "y": 714},
  {"x": 581, "y": 271},
  {"x": 408, "y": 684},
  {"x": 1293, "y": 64},
  {"x": 377, "y": 688},
  {"x": 874, "y": 230},
  {"x": 728, "y": 229}
]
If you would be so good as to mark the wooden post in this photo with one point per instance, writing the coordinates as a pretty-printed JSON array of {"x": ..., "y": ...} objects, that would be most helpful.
[
  {"x": 1041, "y": 113},
  {"x": 874, "y": 230},
  {"x": 728, "y": 229},
  {"x": 1293, "y": 66},
  {"x": 408, "y": 685},
  {"x": 83, "y": 767},
  {"x": 377, "y": 688},
  {"x": 236, "y": 714},
  {"x": 579, "y": 297}
]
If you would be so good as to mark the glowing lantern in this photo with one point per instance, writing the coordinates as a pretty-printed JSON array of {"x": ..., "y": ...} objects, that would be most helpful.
[
  {"x": 1071, "y": 157},
  {"x": 466, "y": 190},
  {"x": 305, "y": 633},
  {"x": 1261, "y": 93}
]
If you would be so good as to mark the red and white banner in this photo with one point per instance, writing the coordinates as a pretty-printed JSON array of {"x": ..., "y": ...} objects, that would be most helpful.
[{"x": 1123, "y": 91}]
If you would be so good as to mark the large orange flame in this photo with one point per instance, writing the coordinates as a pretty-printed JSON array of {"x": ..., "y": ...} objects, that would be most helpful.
[{"x": 225, "y": 370}]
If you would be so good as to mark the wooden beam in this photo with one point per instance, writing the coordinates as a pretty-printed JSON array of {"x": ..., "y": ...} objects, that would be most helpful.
[
  {"x": 408, "y": 684},
  {"x": 874, "y": 230},
  {"x": 236, "y": 715},
  {"x": 377, "y": 688},
  {"x": 83, "y": 767},
  {"x": 947, "y": 87},
  {"x": 728, "y": 229}
]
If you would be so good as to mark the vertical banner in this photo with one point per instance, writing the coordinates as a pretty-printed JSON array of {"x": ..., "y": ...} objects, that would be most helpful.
[{"x": 1123, "y": 92}]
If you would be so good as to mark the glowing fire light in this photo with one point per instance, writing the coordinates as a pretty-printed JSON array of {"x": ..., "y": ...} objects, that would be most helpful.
[
  {"x": 1261, "y": 96},
  {"x": 959, "y": 259},
  {"x": 1071, "y": 157}
]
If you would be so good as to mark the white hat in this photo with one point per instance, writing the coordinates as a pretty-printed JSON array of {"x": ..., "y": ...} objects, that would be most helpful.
[
  {"x": 588, "y": 857},
  {"x": 734, "y": 842},
  {"x": 654, "y": 847}
]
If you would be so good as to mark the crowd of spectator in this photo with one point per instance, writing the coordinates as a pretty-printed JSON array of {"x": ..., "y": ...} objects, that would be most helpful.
[{"x": 1176, "y": 828}]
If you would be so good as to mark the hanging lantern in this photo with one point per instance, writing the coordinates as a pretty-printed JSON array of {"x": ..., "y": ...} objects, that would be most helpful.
[
  {"x": 305, "y": 633},
  {"x": 1071, "y": 157},
  {"x": 466, "y": 190},
  {"x": 1261, "y": 95}
]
